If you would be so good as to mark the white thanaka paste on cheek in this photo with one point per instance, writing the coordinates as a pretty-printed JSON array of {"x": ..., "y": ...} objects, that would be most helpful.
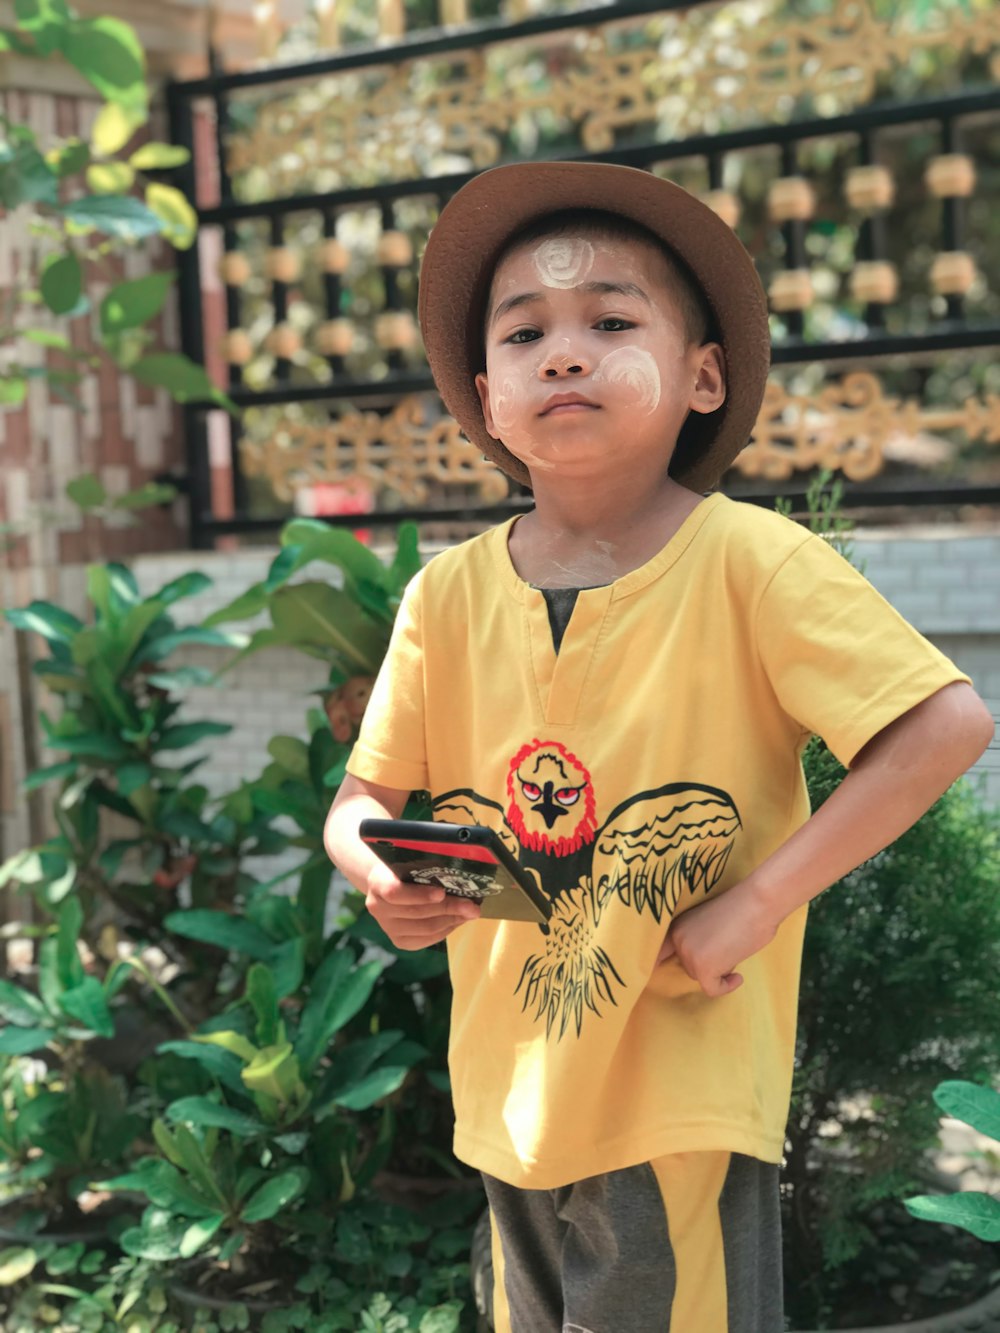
[
  {"x": 563, "y": 262},
  {"x": 636, "y": 369}
]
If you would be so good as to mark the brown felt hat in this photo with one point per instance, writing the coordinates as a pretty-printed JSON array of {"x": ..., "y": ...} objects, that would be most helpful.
[{"x": 476, "y": 225}]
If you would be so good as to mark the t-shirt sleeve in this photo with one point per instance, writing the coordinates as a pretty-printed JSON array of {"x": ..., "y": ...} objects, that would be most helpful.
[
  {"x": 842, "y": 661},
  {"x": 391, "y": 749}
]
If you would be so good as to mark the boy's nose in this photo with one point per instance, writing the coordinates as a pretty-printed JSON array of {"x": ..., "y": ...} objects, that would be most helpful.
[{"x": 560, "y": 364}]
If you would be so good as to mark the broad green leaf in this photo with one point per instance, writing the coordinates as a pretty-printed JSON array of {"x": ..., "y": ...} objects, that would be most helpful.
[
  {"x": 976, "y": 1105},
  {"x": 16, "y": 1263},
  {"x": 110, "y": 177},
  {"x": 204, "y": 1113},
  {"x": 108, "y": 54},
  {"x": 263, "y": 1000},
  {"x": 972, "y": 1211},
  {"x": 190, "y": 733},
  {"x": 66, "y": 160},
  {"x": 51, "y": 622},
  {"x": 406, "y": 562},
  {"x": 116, "y": 215},
  {"x": 23, "y": 1041},
  {"x": 132, "y": 303},
  {"x": 199, "y": 1234},
  {"x": 46, "y": 20},
  {"x": 133, "y": 776},
  {"x": 220, "y": 1063},
  {"x": 187, "y": 585},
  {"x": 47, "y": 338},
  {"x": 274, "y": 1195},
  {"x": 339, "y": 990},
  {"x": 53, "y": 773},
  {"x": 180, "y": 221},
  {"x": 372, "y": 1087},
  {"x": 183, "y": 379},
  {"x": 26, "y": 178},
  {"x": 87, "y": 492},
  {"x": 61, "y": 283},
  {"x": 145, "y": 496},
  {"x": 19, "y": 1006},
  {"x": 233, "y": 1042},
  {"x": 181, "y": 678},
  {"x": 288, "y": 966},
  {"x": 318, "y": 541},
  {"x": 13, "y": 390},
  {"x": 159, "y": 157},
  {"x": 88, "y": 1005},
  {"x": 93, "y": 745},
  {"x": 274, "y": 1071},
  {"x": 249, "y": 603},
  {"x": 99, "y": 589},
  {"x": 221, "y": 929},
  {"x": 315, "y": 613},
  {"x": 165, "y": 644},
  {"x": 158, "y": 1237},
  {"x": 114, "y": 126},
  {"x": 291, "y": 753},
  {"x": 69, "y": 925}
]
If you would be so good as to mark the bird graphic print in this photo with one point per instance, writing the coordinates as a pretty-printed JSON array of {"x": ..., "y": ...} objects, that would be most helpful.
[{"x": 655, "y": 852}]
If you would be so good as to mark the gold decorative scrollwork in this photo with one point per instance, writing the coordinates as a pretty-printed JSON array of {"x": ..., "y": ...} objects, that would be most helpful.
[
  {"x": 683, "y": 73},
  {"x": 406, "y": 451},
  {"x": 847, "y": 427}
]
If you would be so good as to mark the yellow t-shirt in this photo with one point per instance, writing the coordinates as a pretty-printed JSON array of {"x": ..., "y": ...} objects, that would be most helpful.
[{"x": 654, "y": 761}]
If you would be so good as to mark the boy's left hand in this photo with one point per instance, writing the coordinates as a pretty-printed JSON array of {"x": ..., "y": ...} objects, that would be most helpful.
[{"x": 710, "y": 940}]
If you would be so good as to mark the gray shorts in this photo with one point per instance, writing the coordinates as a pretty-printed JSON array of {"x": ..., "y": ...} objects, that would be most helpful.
[{"x": 689, "y": 1243}]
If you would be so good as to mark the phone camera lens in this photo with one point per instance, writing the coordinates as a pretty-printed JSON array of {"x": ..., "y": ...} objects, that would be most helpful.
[{"x": 463, "y": 835}]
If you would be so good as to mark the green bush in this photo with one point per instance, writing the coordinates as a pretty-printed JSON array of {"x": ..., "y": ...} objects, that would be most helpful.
[{"x": 898, "y": 991}]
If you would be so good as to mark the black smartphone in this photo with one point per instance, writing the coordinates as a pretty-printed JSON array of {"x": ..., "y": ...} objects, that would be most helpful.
[{"x": 467, "y": 860}]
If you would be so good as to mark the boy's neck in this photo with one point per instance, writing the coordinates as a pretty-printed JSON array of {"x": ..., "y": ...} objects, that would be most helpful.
[{"x": 578, "y": 538}]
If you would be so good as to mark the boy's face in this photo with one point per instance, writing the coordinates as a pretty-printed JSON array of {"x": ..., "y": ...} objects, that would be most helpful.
[{"x": 587, "y": 359}]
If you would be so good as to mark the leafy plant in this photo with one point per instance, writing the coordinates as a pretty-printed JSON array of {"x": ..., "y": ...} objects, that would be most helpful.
[
  {"x": 118, "y": 733},
  {"x": 974, "y": 1210},
  {"x": 59, "y": 1124},
  {"x": 83, "y": 207},
  {"x": 867, "y": 1056},
  {"x": 271, "y": 1147}
]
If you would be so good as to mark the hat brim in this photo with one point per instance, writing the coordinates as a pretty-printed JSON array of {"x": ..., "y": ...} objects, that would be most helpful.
[{"x": 475, "y": 226}]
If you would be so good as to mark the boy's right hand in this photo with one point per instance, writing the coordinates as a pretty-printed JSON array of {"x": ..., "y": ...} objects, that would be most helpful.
[{"x": 414, "y": 915}]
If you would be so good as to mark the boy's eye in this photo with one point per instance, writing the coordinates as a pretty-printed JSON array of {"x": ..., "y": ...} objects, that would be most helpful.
[
  {"x": 614, "y": 324},
  {"x": 523, "y": 336}
]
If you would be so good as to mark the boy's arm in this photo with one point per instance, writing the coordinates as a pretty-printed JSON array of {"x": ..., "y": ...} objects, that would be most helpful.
[
  {"x": 898, "y": 775},
  {"x": 412, "y": 915}
]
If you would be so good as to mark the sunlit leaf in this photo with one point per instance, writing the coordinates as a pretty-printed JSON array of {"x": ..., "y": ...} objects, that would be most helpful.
[
  {"x": 159, "y": 157},
  {"x": 180, "y": 221},
  {"x": 109, "y": 55},
  {"x": 114, "y": 126},
  {"x": 110, "y": 177},
  {"x": 116, "y": 215}
]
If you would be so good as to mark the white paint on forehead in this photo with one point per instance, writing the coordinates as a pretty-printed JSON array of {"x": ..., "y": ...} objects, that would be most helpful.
[
  {"x": 563, "y": 261},
  {"x": 636, "y": 369}
]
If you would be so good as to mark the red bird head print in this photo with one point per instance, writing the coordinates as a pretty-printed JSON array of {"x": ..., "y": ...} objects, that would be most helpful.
[{"x": 551, "y": 799}]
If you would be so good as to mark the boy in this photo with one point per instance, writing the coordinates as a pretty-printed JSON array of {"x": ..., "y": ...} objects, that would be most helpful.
[{"x": 620, "y": 683}]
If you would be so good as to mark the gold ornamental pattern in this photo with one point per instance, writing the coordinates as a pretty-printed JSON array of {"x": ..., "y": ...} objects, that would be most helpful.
[
  {"x": 699, "y": 70},
  {"x": 406, "y": 451},
  {"x": 847, "y": 426}
]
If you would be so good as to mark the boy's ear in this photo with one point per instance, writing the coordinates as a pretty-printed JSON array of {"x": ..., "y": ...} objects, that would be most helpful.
[
  {"x": 483, "y": 389},
  {"x": 709, "y": 391}
]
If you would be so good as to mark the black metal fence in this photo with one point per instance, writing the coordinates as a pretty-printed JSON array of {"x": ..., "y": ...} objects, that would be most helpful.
[{"x": 779, "y": 231}]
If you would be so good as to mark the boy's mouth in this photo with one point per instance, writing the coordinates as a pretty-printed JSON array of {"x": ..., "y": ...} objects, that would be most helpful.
[{"x": 561, "y": 403}]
